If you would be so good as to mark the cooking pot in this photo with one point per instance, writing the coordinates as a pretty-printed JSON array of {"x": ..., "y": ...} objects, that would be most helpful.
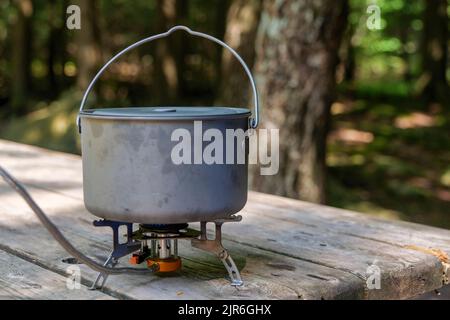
[{"x": 129, "y": 172}]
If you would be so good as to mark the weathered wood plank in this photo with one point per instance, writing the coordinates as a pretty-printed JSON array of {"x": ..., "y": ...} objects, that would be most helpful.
[
  {"x": 333, "y": 247},
  {"x": 20, "y": 279},
  {"x": 398, "y": 233},
  {"x": 267, "y": 275},
  {"x": 399, "y": 268}
]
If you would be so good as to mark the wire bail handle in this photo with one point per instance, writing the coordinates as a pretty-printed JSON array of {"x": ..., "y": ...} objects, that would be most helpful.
[{"x": 253, "y": 121}]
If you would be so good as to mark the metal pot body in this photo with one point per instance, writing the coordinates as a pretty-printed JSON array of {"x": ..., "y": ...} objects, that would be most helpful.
[{"x": 129, "y": 175}]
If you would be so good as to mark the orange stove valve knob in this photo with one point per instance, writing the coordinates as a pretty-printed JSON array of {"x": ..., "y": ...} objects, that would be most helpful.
[
  {"x": 138, "y": 258},
  {"x": 171, "y": 264}
]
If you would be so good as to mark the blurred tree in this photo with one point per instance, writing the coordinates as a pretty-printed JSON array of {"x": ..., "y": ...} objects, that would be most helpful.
[
  {"x": 55, "y": 45},
  {"x": 52, "y": 43},
  {"x": 349, "y": 62},
  {"x": 21, "y": 55},
  {"x": 61, "y": 48},
  {"x": 166, "y": 73},
  {"x": 435, "y": 51},
  {"x": 220, "y": 27},
  {"x": 180, "y": 45},
  {"x": 242, "y": 25},
  {"x": 295, "y": 68},
  {"x": 87, "y": 41}
]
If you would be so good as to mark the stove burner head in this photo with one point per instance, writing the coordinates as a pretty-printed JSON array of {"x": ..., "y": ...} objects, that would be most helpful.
[
  {"x": 163, "y": 228},
  {"x": 164, "y": 231}
]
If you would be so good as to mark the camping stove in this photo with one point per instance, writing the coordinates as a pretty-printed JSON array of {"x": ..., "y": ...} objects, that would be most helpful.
[{"x": 156, "y": 246}]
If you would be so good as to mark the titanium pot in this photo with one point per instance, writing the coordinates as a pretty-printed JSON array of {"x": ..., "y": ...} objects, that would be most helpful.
[{"x": 129, "y": 174}]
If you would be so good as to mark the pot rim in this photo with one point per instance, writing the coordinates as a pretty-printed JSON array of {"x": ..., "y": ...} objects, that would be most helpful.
[{"x": 166, "y": 113}]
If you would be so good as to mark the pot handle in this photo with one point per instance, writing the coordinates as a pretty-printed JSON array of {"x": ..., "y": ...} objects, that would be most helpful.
[{"x": 253, "y": 122}]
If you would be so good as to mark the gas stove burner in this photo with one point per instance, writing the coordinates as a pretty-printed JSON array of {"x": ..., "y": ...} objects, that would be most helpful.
[
  {"x": 154, "y": 232},
  {"x": 160, "y": 228},
  {"x": 163, "y": 239},
  {"x": 156, "y": 245}
]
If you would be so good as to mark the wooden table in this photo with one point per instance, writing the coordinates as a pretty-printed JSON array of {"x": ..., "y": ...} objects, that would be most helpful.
[{"x": 285, "y": 249}]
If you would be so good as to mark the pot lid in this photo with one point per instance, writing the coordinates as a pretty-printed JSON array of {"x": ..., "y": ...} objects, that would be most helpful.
[{"x": 166, "y": 113}]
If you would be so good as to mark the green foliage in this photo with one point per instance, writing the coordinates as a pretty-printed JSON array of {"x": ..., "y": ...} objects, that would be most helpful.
[{"x": 381, "y": 54}]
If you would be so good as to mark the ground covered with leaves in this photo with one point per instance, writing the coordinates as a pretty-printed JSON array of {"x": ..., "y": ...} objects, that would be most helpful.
[{"x": 390, "y": 156}]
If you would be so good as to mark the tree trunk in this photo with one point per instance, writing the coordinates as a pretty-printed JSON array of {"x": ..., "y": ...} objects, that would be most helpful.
[
  {"x": 179, "y": 45},
  {"x": 221, "y": 22},
  {"x": 52, "y": 48},
  {"x": 242, "y": 25},
  {"x": 297, "y": 54},
  {"x": 166, "y": 73},
  {"x": 62, "y": 47},
  {"x": 350, "y": 58},
  {"x": 404, "y": 33},
  {"x": 21, "y": 55},
  {"x": 88, "y": 43},
  {"x": 435, "y": 51}
]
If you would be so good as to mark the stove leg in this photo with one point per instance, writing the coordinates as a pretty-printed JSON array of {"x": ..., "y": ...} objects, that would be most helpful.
[
  {"x": 233, "y": 271},
  {"x": 102, "y": 277},
  {"x": 215, "y": 246},
  {"x": 119, "y": 249}
]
